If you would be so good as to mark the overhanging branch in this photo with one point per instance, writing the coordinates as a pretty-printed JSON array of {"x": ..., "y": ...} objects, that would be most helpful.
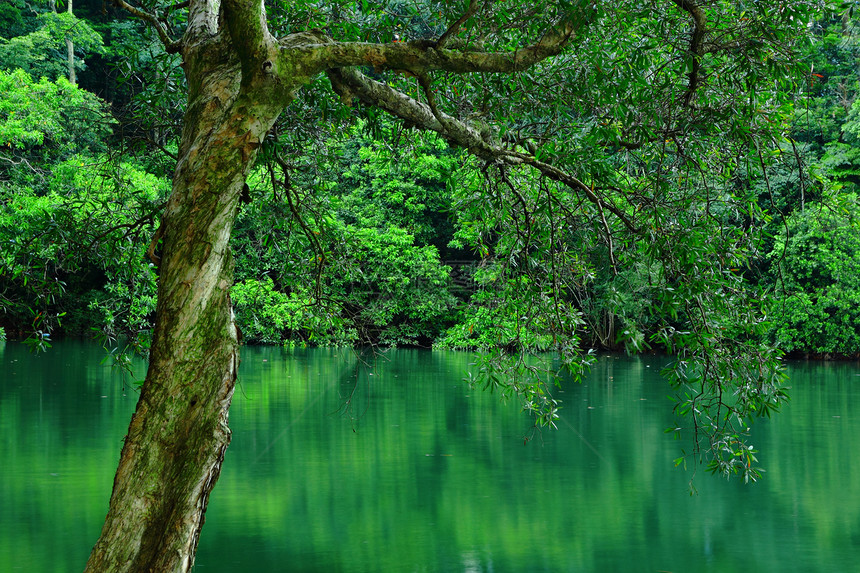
[
  {"x": 349, "y": 84},
  {"x": 423, "y": 56}
]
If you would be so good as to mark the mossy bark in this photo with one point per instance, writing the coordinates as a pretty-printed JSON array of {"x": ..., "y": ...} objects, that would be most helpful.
[{"x": 178, "y": 435}]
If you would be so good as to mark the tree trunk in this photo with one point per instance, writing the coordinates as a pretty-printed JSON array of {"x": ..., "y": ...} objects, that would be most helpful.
[
  {"x": 70, "y": 52},
  {"x": 178, "y": 434}
]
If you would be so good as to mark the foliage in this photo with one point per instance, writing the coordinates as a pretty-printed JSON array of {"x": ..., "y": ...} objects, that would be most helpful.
[
  {"x": 811, "y": 200},
  {"x": 394, "y": 177},
  {"x": 623, "y": 193},
  {"x": 74, "y": 223},
  {"x": 47, "y": 120},
  {"x": 12, "y": 23},
  {"x": 371, "y": 242},
  {"x": 149, "y": 92},
  {"x": 43, "y": 52},
  {"x": 78, "y": 250},
  {"x": 816, "y": 259},
  {"x": 265, "y": 315}
]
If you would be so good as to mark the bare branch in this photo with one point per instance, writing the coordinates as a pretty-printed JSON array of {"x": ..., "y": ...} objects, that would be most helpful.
[{"x": 135, "y": 225}]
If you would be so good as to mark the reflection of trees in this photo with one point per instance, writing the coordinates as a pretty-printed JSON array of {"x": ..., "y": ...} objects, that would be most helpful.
[
  {"x": 62, "y": 415},
  {"x": 432, "y": 474},
  {"x": 432, "y": 471},
  {"x": 386, "y": 498},
  {"x": 815, "y": 462}
]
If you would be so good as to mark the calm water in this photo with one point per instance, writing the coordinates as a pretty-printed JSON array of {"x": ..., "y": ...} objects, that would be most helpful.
[{"x": 338, "y": 466}]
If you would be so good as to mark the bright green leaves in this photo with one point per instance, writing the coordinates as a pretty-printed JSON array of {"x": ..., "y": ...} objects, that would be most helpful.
[
  {"x": 77, "y": 248},
  {"x": 364, "y": 255},
  {"x": 266, "y": 315},
  {"x": 52, "y": 118},
  {"x": 43, "y": 52},
  {"x": 67, "y": 216},
  {"x": 376, "y": 287}
]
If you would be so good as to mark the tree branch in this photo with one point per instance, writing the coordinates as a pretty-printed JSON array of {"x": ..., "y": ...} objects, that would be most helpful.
[
  {"x": 422, "y": 56},
  {"x": 350, "y": 83},
  {"x": 696, "y": 49},
  {"x": 455, "y": 27},
  {"x": 246, "y": 22},
  {"x": 177, "y": 6},
  {"x": 171, "y": 46}
]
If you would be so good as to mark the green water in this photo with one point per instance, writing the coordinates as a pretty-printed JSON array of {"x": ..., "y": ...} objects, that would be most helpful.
[{"x": 396, "y": 466}]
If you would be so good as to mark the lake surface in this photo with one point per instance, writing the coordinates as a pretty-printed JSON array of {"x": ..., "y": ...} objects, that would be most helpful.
[{"x": 343, "y": 465}]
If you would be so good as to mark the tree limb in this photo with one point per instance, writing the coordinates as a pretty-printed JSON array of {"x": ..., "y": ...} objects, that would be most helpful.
[
  {"x": 171, "y": 46},
  {"x": 696, "y": 49},
  {"x": 350, "y": 83},
  {"x": 422, "y": 56},
  {"x": 246, "y": 22}
]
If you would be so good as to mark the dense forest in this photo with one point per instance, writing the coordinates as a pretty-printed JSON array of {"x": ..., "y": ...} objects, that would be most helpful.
[{"x": 381, "y": 250}]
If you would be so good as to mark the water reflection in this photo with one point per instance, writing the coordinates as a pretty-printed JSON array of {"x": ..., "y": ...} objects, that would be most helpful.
[{"x": 343, "y": 464}]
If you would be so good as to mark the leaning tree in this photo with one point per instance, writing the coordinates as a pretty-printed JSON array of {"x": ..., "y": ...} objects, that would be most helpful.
[{"x": 629, "y": 128}]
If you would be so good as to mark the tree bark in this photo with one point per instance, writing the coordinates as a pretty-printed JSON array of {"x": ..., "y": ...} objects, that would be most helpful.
[{"x": 179, "y": 433}]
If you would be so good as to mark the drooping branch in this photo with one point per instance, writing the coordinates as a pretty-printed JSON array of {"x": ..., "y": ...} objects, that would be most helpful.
[
  {"x": 349, "y": 84},
  {"x": 696, "y": 49}
]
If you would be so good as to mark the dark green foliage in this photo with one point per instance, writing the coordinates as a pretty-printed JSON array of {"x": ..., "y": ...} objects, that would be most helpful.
[
  {"x": 811, "y": 201},
  {"x": 816, "y": 261},
  {"x": 12, "y": 20}
]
